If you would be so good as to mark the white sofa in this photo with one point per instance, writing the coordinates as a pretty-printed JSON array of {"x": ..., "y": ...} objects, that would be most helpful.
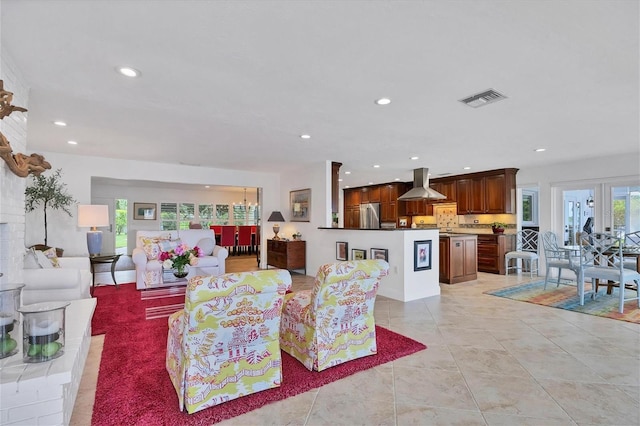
[
  {"x": 149, "y": 268},
  {"x": 71, "y": 281}
]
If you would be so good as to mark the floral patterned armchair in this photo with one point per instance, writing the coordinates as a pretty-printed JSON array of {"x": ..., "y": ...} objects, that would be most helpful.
[
  {"x": 224, "y": 344},
  {"x": 333, "y": 322}
]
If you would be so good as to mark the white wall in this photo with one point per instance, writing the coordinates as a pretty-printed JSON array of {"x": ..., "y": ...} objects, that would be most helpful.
[
  {"x": 12, "y": 215},
  {"x": 77, "y": 172}
]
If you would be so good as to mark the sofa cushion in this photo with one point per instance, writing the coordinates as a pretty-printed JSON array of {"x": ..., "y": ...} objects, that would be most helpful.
[
  {"x": 43, "y": 260},
  {"x": 151, "y": 247},
  {"x": 52, "y": 256},
  {"x": 207, "y": 261},
  {"x": 31, "y": 260},
  {"x": 206, "y": 245},
  {"x": 168, "y": 245}
]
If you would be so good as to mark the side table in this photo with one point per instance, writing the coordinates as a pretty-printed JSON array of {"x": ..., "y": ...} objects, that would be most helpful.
[{"x": 104, "y": 258}]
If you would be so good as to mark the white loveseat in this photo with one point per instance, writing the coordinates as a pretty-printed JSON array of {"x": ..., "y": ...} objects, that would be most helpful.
[
  {"x": 71, "y": 281},
  {"x": 149, "y": 268}
]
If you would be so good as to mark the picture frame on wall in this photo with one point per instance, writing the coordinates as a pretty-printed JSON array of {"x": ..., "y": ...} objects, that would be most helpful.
[
  {"x": 342, "y": 248},
  {"x": 378, "y": 253},
  {"x": 300, "y": 205},
  {"x": 421, "y": 255},
  {"x": 144, "y": 211},
  {"x": 358, "y": 254}
]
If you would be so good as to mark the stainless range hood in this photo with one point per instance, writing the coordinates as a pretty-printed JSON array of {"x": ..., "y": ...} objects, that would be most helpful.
[{"x": 421, "y": 188}]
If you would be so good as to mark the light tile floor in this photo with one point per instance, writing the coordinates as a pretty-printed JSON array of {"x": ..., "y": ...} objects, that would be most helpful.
[{"x": 490, "y": 361}]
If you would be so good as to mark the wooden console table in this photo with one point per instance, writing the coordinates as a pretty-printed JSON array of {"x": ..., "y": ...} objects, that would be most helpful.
[{"x": 288, "y": 255}]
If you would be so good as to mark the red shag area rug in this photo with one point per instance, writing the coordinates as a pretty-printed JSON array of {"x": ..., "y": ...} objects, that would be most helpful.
[{"x": 134, "y": 387}]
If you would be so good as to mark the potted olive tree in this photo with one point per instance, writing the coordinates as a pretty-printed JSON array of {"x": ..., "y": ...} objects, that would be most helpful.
[{"x": 49, "y": 193}]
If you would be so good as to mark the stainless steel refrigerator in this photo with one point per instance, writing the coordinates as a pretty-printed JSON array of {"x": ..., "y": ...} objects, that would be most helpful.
[{"x": 370, "y": 216}]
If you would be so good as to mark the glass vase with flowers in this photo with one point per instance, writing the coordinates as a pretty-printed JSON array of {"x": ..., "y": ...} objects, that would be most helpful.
[{"x": 180, "y": 258}]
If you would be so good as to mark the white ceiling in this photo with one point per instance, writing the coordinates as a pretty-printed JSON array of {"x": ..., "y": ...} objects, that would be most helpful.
[{"x": 232, "y": 84}]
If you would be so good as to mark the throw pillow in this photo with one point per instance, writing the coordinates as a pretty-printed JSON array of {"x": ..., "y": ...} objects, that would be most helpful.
[
  {"x": 43, "y": 260},
  {"x": 151, "y": 248},
  {"x": 30, "y": 260},
  {"x": 168, "y": 245},
  {"x": 206, "y": 245},
  {"x": 52, "y": 256}
]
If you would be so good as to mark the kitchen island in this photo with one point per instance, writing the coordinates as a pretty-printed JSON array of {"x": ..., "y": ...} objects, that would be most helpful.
[
  {"x": 458, "y": 258},
  {"x": 405, "y": 282}
]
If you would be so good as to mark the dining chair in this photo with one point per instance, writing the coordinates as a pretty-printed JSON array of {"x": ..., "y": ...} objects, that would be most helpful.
[
  {"x": 602, "y": 259},
  {"x": 555, "y": 257},
  {"x": 632, "y": 243},
  {"x": 228, "y": 237},
  {"x": 527, "y": 250},
  {"x": 244, "y": 238}
]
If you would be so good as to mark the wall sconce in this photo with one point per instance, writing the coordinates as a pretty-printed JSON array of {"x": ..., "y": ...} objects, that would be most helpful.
[
  {"x": 93, "y": 216},
  {"x": 276, "y": 216},
  {"x": 590, "y": 202}
]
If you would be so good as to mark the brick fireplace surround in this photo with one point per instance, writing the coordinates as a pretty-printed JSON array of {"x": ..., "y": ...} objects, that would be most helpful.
[{"x": 41, "y": 393}]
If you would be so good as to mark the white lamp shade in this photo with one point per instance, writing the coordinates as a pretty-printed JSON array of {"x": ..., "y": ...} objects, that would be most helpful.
[{"x": 93, "y": 215}]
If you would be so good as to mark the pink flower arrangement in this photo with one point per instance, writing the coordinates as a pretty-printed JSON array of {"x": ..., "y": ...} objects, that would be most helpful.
[{"x": 180, "y": 256}]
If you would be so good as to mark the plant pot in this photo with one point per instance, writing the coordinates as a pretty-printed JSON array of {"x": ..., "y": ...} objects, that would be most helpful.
[{"x": 497, "y": 230}]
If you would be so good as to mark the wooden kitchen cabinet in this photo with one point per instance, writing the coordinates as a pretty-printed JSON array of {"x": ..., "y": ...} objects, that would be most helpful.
[
  {"x": 288, "y": 255},
  {"x": 352, "y": 197},
  {"x": 370, "y": 194},
  {"x": 491, "y": 251},
  {"x": 352, "y": 217},
  {"x": 490, "y": 192},
  {"x": 418, "y": 208},
  {"x": 446, "y": 188},
  {"x": 470, "y": 194},
  {"x": 458, "y": 258}
]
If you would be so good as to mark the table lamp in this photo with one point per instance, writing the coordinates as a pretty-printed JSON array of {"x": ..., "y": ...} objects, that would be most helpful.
[
  {"x": 93, "y": 216},
  {"x": 276, "y": 216}
]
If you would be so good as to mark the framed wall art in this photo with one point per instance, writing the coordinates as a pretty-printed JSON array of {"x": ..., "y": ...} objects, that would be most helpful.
[
  {"x": 421, "y": 255},
  {"x": 144, "y": 211},
  {"x": 300, "y": 205},
  {"x": 358, "y": 254},
  {"x": 342, "y": 252},
  {"x": 378, "y": 253}
]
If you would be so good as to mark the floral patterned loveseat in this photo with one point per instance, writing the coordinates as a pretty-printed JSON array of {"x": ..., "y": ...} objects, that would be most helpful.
[
  {"x": 224, "y": 344},
  {"x": 333, "y": 322}
]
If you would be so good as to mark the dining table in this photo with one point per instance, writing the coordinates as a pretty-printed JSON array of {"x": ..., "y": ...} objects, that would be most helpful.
[{"x": 574, "y": 251}]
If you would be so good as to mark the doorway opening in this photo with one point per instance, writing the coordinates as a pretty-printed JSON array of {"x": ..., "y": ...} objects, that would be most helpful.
[
  {"x": 121, "y": 226},
  {"x": 577, "y": 209}
]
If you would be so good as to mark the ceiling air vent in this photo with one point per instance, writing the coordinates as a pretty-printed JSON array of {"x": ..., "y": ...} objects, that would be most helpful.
[{"x": 487, "y": 97}]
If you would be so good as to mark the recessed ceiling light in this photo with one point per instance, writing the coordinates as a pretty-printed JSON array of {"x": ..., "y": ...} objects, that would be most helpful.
[
  {"x": 305, "y": 136},
  {"x": 466, "y": 168},
  {"x": 414, "y": 157},
  {"x": 128, "y": 71},
  {"x": 370, "y": 183},
  {"x": 207, "y": 186},
  {"x": 376, "y": 166},
  {"x": 383, "y": 101},
  {"x": 72, "y": 142},
  {"x": 347, "y": 173},
  {"x": 346, "y": 186},
  {"x": 397, "y": 179},
  {"x": 339, "y": 180},
  {"x": 541, "y": 149},
  {"x": 60, "y": 123}
]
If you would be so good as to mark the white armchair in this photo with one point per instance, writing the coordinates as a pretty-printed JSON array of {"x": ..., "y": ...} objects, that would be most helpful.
[{"x": 71, "y": 281}]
